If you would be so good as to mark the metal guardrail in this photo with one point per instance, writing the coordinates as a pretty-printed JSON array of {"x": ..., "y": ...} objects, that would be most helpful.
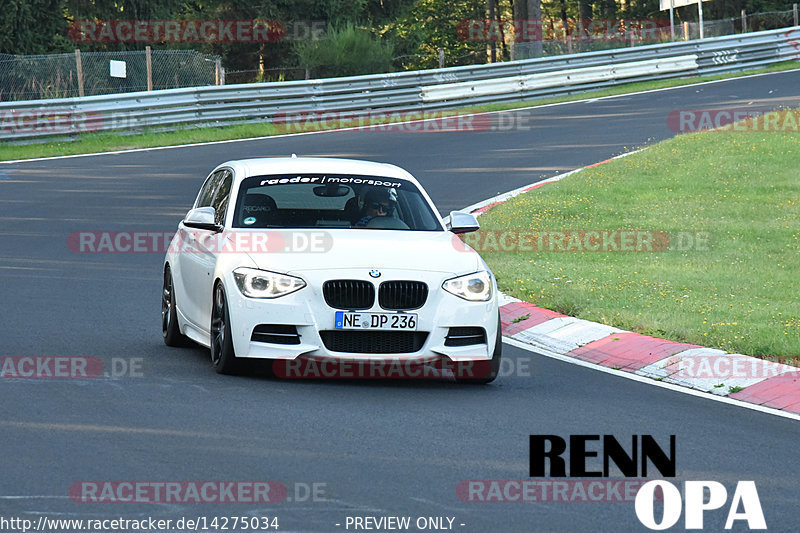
[{"x": 402, "y": 91}]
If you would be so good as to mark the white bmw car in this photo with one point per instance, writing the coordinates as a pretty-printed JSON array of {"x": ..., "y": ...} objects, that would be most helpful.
[{"x": 333, "y": 265}]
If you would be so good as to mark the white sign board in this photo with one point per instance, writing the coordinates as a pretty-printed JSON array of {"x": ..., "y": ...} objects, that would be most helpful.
[
  {"x": 118, "y": 69},
  {"x": 678, "y": 3}
]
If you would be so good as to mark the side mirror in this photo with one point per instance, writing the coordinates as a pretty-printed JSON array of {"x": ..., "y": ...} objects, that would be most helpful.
[
  {"x": 202, "y": 218},
  {"x": 461, "y": 222}
]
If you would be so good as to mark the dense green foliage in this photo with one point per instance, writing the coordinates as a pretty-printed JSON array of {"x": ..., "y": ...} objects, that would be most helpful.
[
  {"x": 345, "y": 51},
  {"x": 32, "y": 26}
]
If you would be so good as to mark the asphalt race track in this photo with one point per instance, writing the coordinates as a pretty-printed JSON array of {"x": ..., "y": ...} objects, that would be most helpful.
[{"x": 376, "y": 448}]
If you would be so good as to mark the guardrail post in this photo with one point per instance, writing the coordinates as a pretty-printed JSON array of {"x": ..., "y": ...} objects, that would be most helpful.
[
  {"x": 149, "y": 61},
  {"x": 79, "y": 68},
  {"x": 441, "y": 57},
  {"x": 794, "y": 10},
  {"x": 744, "y": 22}
]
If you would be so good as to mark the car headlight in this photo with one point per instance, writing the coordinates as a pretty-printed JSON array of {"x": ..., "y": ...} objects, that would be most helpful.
[
  {"x": 255, "y": 283},
  {"x": 476, "y": 287}
]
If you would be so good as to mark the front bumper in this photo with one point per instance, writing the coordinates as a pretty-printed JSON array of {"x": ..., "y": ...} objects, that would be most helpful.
[{"x": 307, "y": 310}]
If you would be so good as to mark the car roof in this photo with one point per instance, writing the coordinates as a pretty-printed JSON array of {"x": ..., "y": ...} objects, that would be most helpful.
[{"x": 314, "y": 165}]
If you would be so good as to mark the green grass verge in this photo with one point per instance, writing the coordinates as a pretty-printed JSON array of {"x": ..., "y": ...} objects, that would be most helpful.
[
  {"x": 108, "y": 142},
  {"x": 737, "y": 290}
]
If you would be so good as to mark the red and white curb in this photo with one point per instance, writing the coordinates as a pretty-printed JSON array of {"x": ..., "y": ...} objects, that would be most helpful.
[{"x": 734, "y": 376}]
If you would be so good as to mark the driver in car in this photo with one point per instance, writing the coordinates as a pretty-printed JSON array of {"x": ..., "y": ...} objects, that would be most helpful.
[{"x": 378, "y": 202}]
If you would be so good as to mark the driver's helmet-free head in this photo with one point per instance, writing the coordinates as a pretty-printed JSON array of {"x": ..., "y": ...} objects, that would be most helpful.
[{"x": 383, "y": 199}]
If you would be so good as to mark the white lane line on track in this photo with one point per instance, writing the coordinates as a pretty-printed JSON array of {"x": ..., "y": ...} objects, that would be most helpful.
[
  {"x": 555, "y": 104},
  {"x": 649, "y": 381}
]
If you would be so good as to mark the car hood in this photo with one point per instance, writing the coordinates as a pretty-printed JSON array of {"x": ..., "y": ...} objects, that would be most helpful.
[{"x": 306, "y": 250}]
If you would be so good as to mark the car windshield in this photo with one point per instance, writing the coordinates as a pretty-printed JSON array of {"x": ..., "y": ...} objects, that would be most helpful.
[{"x": 332, "y": 201}]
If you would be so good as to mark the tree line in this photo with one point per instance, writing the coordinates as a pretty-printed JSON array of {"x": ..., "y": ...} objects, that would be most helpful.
[{"x": 336, "y": 37}]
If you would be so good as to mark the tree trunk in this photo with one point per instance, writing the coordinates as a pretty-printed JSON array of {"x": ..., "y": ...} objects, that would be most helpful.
[
  {"x": 520, "y": 8},
  {"x": 585, "y": 9},
  {"x": 585, "y": 16},
  {"x": 535, "y": 14},
  {"x": 502, "y": 25},
  {"x": 610, "y": 9},
  {"x": 492, "y": 8}
]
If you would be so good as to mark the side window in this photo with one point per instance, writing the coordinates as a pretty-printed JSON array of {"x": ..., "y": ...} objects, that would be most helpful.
[
  {"x": 223, "y": 194},
  {"x": 207, "y": 192}
]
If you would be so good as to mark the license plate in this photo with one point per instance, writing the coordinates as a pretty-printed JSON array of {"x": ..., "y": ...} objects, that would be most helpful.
[{"x": 396, "y": 321}]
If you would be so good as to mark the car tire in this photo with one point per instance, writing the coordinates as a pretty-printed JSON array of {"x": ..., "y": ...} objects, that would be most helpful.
[
  {"x": 169, "y": 316},
  {"x": 494, "y": 364},
  {"x": 223, "y": 357}
]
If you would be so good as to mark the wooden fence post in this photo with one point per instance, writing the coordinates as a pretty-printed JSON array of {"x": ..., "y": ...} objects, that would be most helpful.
[
  {"x": 79, "y": 66},
  {"x": 149, "y": 58}
]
